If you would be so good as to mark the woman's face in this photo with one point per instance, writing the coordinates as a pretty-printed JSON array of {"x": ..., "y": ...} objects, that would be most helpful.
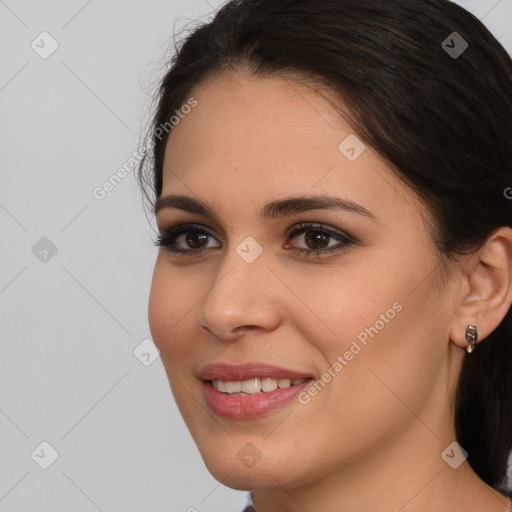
[{"x": 368, "y": 321}]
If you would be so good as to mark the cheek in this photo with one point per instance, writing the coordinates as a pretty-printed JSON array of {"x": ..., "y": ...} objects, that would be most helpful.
[
  {"x": 371, "y": 323},
  {"x": 170, "y": 305},
  {"x": 391, "y": 351},
  {"x": 348, "y": 308}
]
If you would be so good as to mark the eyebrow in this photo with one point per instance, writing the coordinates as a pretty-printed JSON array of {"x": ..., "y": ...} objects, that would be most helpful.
[{"x": 271, "y": 210}]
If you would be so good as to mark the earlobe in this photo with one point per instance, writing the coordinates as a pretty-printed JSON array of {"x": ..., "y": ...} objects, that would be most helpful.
[{"x": 487, "y": 294}]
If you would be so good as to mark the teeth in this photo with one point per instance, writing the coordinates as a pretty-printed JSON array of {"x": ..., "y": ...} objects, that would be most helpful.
[
  {"x": 253, "y": 386},
  {"x": 233, "y": 387},
  {"x": 284, "y": 383},
  {"x": 268, "y": 384},
  {"x": 221, "y": 385}
]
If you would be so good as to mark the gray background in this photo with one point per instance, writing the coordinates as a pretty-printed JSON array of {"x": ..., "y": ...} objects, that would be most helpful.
[{"x": 71, "y": 321}]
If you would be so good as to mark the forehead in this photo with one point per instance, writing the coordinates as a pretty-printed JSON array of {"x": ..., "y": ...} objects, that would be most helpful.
[
  {"x": 239, "y": 114},
  {"x": 250, "y": 139}
]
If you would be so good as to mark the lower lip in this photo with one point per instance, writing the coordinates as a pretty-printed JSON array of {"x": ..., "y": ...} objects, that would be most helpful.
[{"x": 249, "y": 406}]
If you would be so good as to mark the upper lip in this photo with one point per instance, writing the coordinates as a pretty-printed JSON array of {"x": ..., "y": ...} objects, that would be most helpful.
[{"x": 241, "y": 372}]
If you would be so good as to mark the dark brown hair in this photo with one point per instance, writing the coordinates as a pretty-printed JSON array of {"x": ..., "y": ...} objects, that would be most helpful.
[{"x": 443, "y": 122}]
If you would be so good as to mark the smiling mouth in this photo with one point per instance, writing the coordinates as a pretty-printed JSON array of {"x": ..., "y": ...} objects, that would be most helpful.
[
  {"x": 254, "y": 386},
  {"x": 251, "y": 397}
]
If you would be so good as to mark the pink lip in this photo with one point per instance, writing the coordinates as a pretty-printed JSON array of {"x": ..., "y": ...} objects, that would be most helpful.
[
  {"x": 224, "y": 371},
  {"x": 250, "y": 406}
]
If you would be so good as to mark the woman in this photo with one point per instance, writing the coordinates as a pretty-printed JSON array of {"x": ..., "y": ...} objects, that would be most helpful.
[{"x": 331, "y": 299}]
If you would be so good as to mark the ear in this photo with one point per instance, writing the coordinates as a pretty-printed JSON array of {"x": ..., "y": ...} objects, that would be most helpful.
[{"x": 486, "y": 293}]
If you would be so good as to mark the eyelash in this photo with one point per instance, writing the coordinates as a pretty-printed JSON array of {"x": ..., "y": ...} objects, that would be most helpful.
[{"x": 167, "y": 239}]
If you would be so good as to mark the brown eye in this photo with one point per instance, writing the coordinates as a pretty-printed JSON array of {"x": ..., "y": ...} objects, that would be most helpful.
[
  {"x": 316, "y": 239},
  {"x": 186, "y": 238},
  {"x": 195, "y": 239},
  {"x": 191, "y": 239}
]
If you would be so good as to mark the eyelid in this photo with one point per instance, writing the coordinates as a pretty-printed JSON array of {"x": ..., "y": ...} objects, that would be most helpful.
[
  {"x": 182, "y": 228},
  {"x": 304, "y": 226}
]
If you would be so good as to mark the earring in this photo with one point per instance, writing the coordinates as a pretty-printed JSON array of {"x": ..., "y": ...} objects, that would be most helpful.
[{"x": 471, "y": 337}]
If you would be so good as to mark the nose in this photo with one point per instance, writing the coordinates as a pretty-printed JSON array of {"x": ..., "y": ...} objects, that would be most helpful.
[{"x": 243, "y": 297}]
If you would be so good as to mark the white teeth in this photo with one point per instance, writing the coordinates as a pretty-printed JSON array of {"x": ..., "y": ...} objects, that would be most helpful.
[
  {"x": 268, "y": 384},
  {"x": 284, "y": 383},
  {"x": 252, "y": 386},
  {"x": 233, "y": 387}
]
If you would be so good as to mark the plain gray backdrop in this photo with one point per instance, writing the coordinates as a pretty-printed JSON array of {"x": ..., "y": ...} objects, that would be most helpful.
[{"x": 77, "y": 391}]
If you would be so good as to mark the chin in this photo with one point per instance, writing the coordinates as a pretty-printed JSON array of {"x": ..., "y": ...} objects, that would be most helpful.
[
  {"x": 242, "y": 479},
  {"x": 231, "y": 471}
]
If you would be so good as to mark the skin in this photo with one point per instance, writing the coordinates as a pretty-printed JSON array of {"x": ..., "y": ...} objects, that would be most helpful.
[{"x": 372, "y": 439}]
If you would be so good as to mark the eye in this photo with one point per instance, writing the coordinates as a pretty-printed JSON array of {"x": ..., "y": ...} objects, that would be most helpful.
[
  {"x": 193, "y": 239},
  {"x": 316, "y": 237}
]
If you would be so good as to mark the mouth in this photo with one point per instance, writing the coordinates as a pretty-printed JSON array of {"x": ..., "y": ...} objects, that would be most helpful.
[{"x": 250, "y": 390}]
